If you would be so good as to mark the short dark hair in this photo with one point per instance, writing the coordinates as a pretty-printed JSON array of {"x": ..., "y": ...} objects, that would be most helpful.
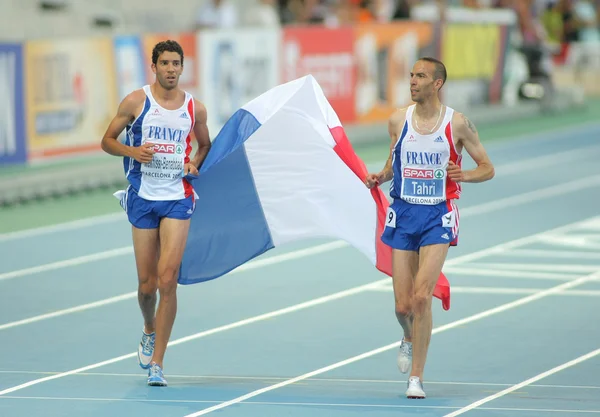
[
  {"x": 166, "y": 46},
  {"x": 440, "y": 69}
]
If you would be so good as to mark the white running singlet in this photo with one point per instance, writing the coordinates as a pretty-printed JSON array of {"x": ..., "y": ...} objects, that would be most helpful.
[
  {"x": 170, "y": 132},
  {"x": 419, "y": 163}
]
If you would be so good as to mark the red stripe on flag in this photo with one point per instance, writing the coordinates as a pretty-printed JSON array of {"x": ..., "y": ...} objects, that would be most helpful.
[{"x": 344, "y": 150}]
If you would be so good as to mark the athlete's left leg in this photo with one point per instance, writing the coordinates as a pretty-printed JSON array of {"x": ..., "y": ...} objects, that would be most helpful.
[
  {"x": 431, "y": 261},
  {"x": 173, "y": 237}
]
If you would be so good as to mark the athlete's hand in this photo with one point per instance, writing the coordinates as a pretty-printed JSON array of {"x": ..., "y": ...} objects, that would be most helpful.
[
  {"x": 190, "y": 168},
  {"x": 455, "y": 173},
  {"x": 372, "y": 180},
  {"x": 144, "y": 153}
]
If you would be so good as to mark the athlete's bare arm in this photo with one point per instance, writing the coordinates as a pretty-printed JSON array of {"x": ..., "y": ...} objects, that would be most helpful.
[
  {"x": 201, "y": 134},
  {"x": 468, "y": 139},
  {"x": 126, "y": 113},
  {"x": 395, "y": 125}
]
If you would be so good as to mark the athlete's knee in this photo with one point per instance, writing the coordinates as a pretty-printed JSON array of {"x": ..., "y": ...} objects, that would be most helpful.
[
  {"x": 167, "y": 279},
  {"x": 147, "y": 294},
  {"x": 167, "y": 286},
  {"x": 421, "y": 302},
  {"x": 147, "y": 285},
  {"x": 403, "y": 308}
]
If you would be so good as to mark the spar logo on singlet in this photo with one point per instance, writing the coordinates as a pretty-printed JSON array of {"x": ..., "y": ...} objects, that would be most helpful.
[
  {"x": 168, "y": 148},
  {"x": 166, "y": 163},
  {"x": 422, "y": 185},
  {"x": 423, "y": 173}
]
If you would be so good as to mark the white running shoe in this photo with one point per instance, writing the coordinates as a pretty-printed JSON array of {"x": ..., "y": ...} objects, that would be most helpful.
[
  {"x": 156, "y": 377},
  {"x": 405, "y": 356},
  {"x": 146, "y": 350},
  {"x": 415, "y": 388}
]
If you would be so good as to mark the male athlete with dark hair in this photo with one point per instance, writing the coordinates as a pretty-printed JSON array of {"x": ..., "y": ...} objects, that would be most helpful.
[
  {"x": 160, "y": 122},
  {"x": 424, "y": 165}
]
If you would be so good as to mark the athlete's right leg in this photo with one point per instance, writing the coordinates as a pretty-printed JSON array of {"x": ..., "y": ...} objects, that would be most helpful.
[
  {"x": 146, "y": 250},
  {"x": 404, "y": 269},
  {"x": 174, "y": 228},
  {"x": 398, "y": 234},
  {"x": 173, "y": 237}
]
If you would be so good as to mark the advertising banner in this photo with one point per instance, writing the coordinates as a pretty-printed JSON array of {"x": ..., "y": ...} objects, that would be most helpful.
[
  {"x": 474, "y": 55},
  {"x": 12, "y": 134},
  {"x": 130, "y": 64},
  {"x": 328, "y": 55},
  {"x": 385, "y": 55},
  {"x": 235, "y": 67},
  {"x": 71, "y": 95}
]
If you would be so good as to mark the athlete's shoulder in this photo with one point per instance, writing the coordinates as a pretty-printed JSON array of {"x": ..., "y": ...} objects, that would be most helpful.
[
  {"x": 460, "y": 122},
  {"x": 198, "y": 104},
  {"x": 199, "y": 109},
  {"x": 398, "y": 117},
  {"x": 131, "y": 103},
  {"x": 135, "y": 98}
]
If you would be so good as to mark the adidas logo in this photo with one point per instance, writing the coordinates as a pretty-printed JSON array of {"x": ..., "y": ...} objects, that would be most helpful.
[
  {"x": 439, "y": 139},
  {"x": 156, "y": 112},
  {"x": 445, "y": 236},
  {"x": 183, "y": 116}
]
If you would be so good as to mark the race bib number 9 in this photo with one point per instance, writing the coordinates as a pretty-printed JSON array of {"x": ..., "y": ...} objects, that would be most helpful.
[
  {"x": 449, "y": 220},
  {"x": 390, "y": 218}
]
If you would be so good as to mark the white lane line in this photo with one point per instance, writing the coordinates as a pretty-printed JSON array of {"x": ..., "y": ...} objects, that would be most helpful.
[
  {"x": 479, "y": 209},
  {"x": 502, "y": 291},
  {"x": 546, "y": 267},
  {"x": 245, "y": 267},
  {"x": 530, "y": 381},
  {"x": 504, "y": 273},
  {"x": 314, "y": 380},
  {"x": 61, "y": 227},
  {"x": 537, "y": 195},
  {"x": 80, "y": 260},
  {"x": 356, "y": 290},
  {"x": 506, "y": 169},
  {"x": 555, "y": 254},
  {"x": 475, "y": 317},
  {"x": 293, "y": 404},
  {"x": 498, "y": 249}
]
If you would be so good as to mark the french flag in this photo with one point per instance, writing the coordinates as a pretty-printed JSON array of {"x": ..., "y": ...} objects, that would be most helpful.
[{"x": 282, "y": 170}]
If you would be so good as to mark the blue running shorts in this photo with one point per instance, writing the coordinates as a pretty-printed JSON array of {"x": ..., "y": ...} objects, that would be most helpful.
[
  {"x": 411, "y": 226},
  {"x": 146, "y": 214}
]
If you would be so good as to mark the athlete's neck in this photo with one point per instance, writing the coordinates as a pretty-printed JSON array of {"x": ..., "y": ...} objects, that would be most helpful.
[
  {"x": 163, "y": 94},
  {"x": 429, "y": 109}
]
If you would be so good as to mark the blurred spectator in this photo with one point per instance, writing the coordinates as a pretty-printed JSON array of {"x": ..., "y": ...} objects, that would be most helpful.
[
  {"x": 262, "y": 13},
  {"x": 587, "y": 21},
  {"x": 404, "y": 8},
  {"x": 364, "y": 10},
  {"x": 552, "y": 22},
  {"x": 290, "y": 11},
  {"x": 316, "y": 11},
  {"x": 217, "y": 14},
  {"x": 570, "y": 25}
]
